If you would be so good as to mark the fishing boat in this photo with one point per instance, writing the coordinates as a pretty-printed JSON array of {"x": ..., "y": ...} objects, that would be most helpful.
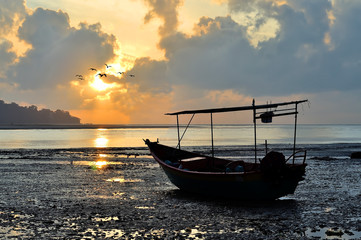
[{"x": 267, "y": 178}]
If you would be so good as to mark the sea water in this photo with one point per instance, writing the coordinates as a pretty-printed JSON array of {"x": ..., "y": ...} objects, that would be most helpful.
[
  {"x": 197, "y": 135},
  {"x": 335, "y": 141}
]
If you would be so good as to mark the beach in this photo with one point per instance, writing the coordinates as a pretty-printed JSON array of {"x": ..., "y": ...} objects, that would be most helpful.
[
  {"x": 64, "y": 194},
  {"x": 247, "y": 100}
]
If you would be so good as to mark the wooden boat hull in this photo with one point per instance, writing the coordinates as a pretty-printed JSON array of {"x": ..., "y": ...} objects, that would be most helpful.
[{"x": 248, "y": 185}]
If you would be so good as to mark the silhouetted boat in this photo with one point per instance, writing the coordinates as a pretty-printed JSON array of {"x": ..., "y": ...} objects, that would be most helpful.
[{"x": 266, "y": 179}]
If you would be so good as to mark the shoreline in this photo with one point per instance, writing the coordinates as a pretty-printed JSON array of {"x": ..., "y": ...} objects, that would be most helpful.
[
  {"x": 136, "y": 126},
  {"x": 81, "y": 126}
]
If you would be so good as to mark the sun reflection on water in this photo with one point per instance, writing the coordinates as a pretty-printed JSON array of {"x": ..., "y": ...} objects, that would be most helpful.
[
  {"x": 99, "y": 165},
  {"x": 101, "y": 142}
]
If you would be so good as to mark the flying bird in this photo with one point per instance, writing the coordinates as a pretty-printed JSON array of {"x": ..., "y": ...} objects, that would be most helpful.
[
  {"x": 131, "y": 75},
  {"x": 120, "y": 72},
  {"x": 79, "y": 76},
  {"x": 102, "y": 75},
  {"x": 108, "y": 66},
  {"x": 93, "y": 69}
]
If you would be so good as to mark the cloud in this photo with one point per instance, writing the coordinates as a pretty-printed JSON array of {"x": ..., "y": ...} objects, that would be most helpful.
[
  {"x": 297, "y": 59},
  {"x": 165, "y": 10},
  {"x": 263, "y": 48},
  {"x": 345, "y": 60},
  {"x": 44, "y": 74},
  {"x": 44, "y": 27},
  {"x": 313, "y": 52},
  {"x": 11, "y": 13},
  {"x": 58, "y": 51},
  {"x": 151, "y": 76},
  {"x": 7, "y": 56},
  {"x": 212, "y": 59},
  {"x": 248, "y": 5}
]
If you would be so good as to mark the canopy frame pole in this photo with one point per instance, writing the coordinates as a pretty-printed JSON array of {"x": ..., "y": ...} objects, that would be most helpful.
[
  {"x": 212, "y": 135},
  {"x": 178, "y": 145},
  {"x": 185, "y": 130},
  {"x": 294, "y": 136},
  {"x": 255, "y": 131}
]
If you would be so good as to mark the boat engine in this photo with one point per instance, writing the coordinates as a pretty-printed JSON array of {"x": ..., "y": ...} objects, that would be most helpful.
[{"x": 273, "y": 164}]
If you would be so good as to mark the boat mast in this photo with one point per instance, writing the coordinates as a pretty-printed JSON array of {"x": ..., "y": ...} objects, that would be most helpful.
[
  {"x": 178, "y": 132},
  {"x": 294, "y": 136},
  {"x": 212, "y": 134},
  {"x": 255, "y": 132}
]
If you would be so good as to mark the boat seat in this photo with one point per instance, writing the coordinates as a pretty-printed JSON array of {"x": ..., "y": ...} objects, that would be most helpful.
[{"x": 195, "y": 163}]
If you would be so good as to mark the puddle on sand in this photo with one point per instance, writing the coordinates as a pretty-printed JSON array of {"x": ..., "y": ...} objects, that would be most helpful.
[
  {"x": 144, "y": 207},
  {"x": 105, "y": 219},
  {"x": 153, "y": 165},
  {"x": 123, "y": 180},
  {"x": 332, "y": 233},
  {"x": 153, "y": 234},
  {"x": 319, "y": 210},
  {"x": 329, "y": 209},
  {"x": 118, "y": 194},
  {"x": 13, "y": 232},
  {"x": 111, "y": 233},
  {"x": 193, "y": 233},
  {"x": 188, "y": 233}
]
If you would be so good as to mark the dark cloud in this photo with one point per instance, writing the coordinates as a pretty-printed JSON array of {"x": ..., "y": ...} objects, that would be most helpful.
[
  {"x": 248, "y": 5},
  {"x": 344, "y": 61},
  {"x": 297, "y": 60},
  {"x": 210, "y": 60},
  {"x": 151, "y": 75},
  {"x": 58, "y": 51},
  {"x": 7, "y": 56},
  {"x": 44, "y": 28}
]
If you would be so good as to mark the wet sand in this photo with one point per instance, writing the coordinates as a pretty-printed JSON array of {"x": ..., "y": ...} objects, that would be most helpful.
[{"x": 135, "y": 200}]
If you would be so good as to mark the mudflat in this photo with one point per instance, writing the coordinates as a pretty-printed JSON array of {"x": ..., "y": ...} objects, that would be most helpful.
[{"x": 132, "y": 198}]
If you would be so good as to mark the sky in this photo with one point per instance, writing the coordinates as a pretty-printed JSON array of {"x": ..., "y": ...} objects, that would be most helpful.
[{"x": 171, "y": 55}]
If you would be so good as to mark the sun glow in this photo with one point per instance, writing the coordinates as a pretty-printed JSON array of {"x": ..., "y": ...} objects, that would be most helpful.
[{"x": 99, "y": 85}]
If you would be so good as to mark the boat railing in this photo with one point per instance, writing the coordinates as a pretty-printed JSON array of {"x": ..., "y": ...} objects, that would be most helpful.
[{"x": 300, "y": 154}]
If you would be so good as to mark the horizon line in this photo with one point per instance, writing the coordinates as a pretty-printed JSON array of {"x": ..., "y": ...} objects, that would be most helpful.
[{"x": 135, "y": 125}]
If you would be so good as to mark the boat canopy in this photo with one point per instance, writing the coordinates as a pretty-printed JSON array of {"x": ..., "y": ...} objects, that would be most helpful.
[
  {"x": 270, "y": 111},
  {"x": 234, "y": 109}
]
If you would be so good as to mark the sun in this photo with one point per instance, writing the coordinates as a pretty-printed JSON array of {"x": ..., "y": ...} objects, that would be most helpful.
[{"x": 99, "y": 85}]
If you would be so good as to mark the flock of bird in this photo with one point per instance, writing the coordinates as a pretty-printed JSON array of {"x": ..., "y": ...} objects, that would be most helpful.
[{"x": 81, "y": 77}]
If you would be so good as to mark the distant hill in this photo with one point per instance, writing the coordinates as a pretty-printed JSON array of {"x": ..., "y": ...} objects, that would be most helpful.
[{"x": 12, "y": 113}]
